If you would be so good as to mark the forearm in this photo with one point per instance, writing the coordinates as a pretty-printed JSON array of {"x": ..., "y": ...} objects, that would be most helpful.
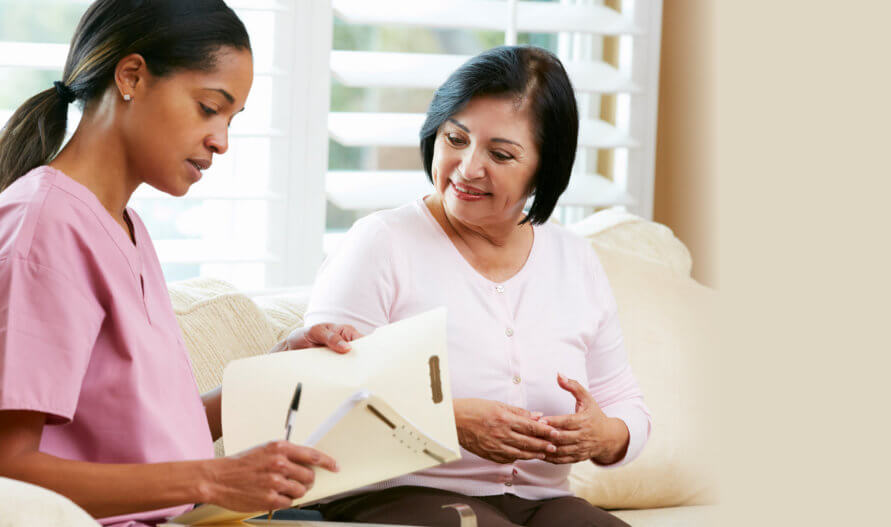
[
  {"x": 617, "y": 444},
  {"x": 110, "y": 489},
  {"x": 213, "y": 403}
]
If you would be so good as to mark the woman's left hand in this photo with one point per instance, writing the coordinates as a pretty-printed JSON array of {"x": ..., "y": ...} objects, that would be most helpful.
[
  {"x": 333, "y": 336},
  {"x": 588, "y": 433}
]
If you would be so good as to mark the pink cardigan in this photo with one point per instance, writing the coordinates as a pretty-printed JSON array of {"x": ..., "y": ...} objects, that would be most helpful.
[{"x": 506, "y": 341}]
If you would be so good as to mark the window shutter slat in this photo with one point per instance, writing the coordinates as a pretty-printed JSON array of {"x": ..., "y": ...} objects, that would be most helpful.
[
  {"x": 208, "y": 252},
  {"x": 146, "y": 193},
  {"x": 429, "y": 71},
  {"x": 368, "y": 190},
  {"x": 34, "y": 55},
  {"x": 375, "y": 189},
  {"x": 402, "y": 129},
  {"x": 534, "y": 17}
]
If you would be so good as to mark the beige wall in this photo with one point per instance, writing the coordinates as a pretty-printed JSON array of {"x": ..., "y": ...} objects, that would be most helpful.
[{"x": 685, "y": 148}]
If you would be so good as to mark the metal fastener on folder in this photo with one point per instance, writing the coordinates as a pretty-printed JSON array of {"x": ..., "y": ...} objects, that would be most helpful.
[{"x": 468, "y": 517}]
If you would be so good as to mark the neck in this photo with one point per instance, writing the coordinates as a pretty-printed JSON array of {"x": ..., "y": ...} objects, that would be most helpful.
[
  {"x": 491, "y": 235},
  {"x": 96, "y": 158}
]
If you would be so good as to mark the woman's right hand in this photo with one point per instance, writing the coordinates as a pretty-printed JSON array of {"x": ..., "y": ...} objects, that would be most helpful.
[
  {"x": 265, "y": 477},
  {"x": 500, "y": 432}
]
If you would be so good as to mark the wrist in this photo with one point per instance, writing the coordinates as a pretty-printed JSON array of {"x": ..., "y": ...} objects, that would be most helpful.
[
  {"x": 298, "y": 340},
  {"x": 205, "y": 474},
  {"x": 617, "y": 444}
]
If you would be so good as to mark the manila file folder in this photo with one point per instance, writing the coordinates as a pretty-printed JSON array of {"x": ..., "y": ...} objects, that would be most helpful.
[{"x": 382, "y": 410}]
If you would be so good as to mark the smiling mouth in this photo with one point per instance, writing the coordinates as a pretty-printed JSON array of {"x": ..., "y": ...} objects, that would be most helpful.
[{"x": 461, "y": 188}]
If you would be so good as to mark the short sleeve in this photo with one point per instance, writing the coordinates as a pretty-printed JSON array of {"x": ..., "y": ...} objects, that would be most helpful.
[
  {"x": 356, "y": 284},
  {"x": 48, "y": 328},
  {"x": 610, "y": 379}
]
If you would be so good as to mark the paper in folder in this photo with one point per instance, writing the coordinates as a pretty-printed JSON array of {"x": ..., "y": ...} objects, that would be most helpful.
[{"x": 382, "y": 410}]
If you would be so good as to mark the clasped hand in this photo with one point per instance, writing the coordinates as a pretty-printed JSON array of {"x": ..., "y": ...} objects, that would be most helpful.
[{"x": 504, "y": 434}]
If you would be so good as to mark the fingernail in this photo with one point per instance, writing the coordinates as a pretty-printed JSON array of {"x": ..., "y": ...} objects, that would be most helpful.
[
  {"x": 551, "y": 448},
  {"x": 537, "y": 415},
  {"x": 555, "y": 434},
  {"x": 544, "y": 421},
  {"x": 343, "y": 345},
  {"x": 541, "y": 456}
]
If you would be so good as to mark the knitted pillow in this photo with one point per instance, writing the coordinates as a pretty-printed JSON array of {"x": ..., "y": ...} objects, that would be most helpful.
[
  {"x": 618, "y": 230},
  {"x": 219, "y": 325}
]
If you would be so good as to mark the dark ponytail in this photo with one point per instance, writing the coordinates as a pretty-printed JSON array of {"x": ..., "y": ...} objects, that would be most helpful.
[{"x": 171, "y": 35}]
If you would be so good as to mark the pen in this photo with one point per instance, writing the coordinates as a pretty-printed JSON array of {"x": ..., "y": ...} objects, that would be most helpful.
[
  {"x": 292, "y": 416},
  {"x": 292, "y": 412}
]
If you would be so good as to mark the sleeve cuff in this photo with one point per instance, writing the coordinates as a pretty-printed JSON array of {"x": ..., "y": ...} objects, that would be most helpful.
[{"x": 639, "y": 423}]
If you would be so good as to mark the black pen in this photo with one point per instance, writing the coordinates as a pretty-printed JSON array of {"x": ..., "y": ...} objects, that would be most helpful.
[
  {"x": 292, "y": 416},
  {"x": 292, "y": 412}
]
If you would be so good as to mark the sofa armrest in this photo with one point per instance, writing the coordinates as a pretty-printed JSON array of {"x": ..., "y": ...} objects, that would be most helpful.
[{"x": 26, "y": 504}]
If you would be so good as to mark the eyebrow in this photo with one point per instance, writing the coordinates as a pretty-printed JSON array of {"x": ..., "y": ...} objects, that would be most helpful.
[
  {"x": 494, "y": 139},
  {"x": 226, "y": 94}
]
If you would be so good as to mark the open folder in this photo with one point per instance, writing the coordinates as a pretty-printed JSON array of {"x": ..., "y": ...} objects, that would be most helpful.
[{"x": 382, "y": 410}]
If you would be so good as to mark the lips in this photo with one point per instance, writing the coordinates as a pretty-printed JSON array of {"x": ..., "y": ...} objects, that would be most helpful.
[
  {"x": 200, "y": 164},
  {"x": 197, "y": 166},
  {"x": 467, "y": 189}
]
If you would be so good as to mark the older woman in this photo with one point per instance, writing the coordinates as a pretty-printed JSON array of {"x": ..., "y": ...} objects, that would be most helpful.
[{"x": 539, "y": 371}]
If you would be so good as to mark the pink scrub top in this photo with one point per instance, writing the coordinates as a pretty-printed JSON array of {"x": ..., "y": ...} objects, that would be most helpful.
[{"x": 88, "y": 335}]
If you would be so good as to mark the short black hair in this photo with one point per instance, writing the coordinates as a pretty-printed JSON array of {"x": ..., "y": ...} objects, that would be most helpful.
[{"x": 530, "y": 74}]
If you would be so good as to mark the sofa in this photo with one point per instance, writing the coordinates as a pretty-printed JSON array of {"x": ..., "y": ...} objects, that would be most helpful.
[{"x": 666, "y": 317}]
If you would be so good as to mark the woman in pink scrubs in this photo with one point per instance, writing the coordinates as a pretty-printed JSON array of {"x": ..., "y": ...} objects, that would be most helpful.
[{"x": 97, "y": 397}]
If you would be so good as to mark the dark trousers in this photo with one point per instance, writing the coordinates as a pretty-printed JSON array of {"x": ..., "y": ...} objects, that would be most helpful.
[{"x": 422, "y": 506}]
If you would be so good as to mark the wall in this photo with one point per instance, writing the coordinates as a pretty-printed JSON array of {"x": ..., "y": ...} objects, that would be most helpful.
[{"x": 685, "y": 188}]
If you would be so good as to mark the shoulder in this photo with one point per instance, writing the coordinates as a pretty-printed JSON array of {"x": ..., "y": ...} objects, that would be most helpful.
[
  {"x": 389, "y": 227},
  {"x": 400, "y": 220},
  {"x": 564, "y": 242},
  {"x": 44, "y": 212},
  {"x": 573, "y": 255}
]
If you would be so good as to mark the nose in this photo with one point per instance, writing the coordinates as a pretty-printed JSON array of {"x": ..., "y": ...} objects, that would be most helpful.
[
  {"x": 473, "y": 165},
  {"x": 218, "y": 141}
]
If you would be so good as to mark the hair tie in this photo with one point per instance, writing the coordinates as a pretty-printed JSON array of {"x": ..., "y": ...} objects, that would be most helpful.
[{"x": 65, "y": 93}]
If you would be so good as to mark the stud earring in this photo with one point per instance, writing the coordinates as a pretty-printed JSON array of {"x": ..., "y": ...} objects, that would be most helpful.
[{"x": 127, "y": 97}]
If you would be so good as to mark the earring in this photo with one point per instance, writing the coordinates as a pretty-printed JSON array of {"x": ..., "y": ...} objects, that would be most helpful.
[{"x": 127, "y": 97}]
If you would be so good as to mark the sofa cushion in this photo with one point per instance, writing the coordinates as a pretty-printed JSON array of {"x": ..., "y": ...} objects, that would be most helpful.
[
  {"x": 284, "y": 310},
  {"x": 219, "y": 324},
  {"x": 26, "y": 504},
  {"x": 664, "y": 319},
  {"x": 618, "y": 230},
  {"x": 690, "y": 516}
]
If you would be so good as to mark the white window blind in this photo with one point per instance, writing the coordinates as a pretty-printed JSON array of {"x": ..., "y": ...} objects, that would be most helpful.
[{"x": 389, "y": 56}]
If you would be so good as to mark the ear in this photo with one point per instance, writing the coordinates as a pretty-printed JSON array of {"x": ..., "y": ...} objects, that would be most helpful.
[{"x": 131, "y": 75}]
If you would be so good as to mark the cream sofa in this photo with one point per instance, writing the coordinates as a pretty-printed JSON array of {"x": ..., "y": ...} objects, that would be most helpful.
[{"x": 665, "y": 316}]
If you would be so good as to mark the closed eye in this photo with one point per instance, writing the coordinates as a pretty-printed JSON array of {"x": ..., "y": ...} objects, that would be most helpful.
[
  {"x": 207, "y": 109},
  {"x": 455, "y": 140}
]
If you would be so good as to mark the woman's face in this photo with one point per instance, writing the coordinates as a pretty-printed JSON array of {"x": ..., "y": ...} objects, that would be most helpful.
[
  {"x": 175, "y": 124},
  {"x": 484, "y": 158}
]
